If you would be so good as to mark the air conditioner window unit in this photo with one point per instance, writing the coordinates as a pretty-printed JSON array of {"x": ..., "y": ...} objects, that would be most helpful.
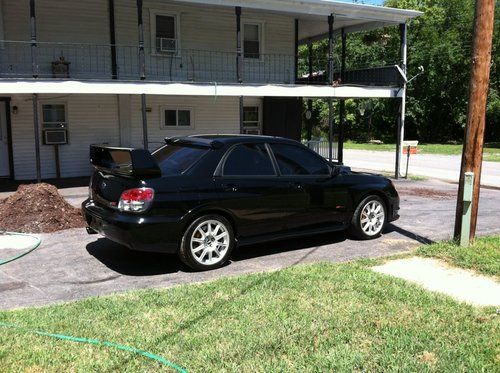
[
  {"x": 168, "y": 45},
  {"x": 55, "y": 137}
]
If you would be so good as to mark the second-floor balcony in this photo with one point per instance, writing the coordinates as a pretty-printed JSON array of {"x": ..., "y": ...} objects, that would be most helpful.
[{"x": 77, "y": 61}]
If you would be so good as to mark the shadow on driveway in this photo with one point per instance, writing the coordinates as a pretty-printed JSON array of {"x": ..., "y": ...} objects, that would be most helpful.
[
  {"x": 133, "y": 263},
  {"x": 127, "y": 262}
]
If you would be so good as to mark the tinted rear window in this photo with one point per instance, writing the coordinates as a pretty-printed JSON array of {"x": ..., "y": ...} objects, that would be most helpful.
[
  {"x": 248, "y": 160},
  {"x": 175, "y": 159}
]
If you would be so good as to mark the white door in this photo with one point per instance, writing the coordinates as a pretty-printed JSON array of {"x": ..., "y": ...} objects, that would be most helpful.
[{"x": 4, "y": 142}]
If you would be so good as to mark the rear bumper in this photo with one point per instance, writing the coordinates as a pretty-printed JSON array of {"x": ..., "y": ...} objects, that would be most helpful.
[{"x": 137, "y": 232}]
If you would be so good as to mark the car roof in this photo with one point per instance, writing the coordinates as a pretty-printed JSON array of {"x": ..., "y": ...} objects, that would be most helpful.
[{"x": 217, "y": 140}]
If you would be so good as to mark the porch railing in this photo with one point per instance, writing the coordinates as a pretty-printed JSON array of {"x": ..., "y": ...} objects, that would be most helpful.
[
  {"x": 322, "y": 148},
  {"x": 93, "y": 61}
]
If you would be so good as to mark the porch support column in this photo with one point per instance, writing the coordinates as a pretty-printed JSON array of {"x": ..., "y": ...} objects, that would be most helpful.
[
  {"x": 112, "y": 38},
  {"x": 36, "y": 131},
  {"x": 239, "y": 65},
  {"x": 241, "y": 114},
  {"x": 296, "y": 60},
  {"x": 309, "y": 101},
  {"x": 330, "y": 49},
  {"x": 34, "y": 45},
  {"x": 403, "y": 29},
  {"x": 140, "y": 27},
  {"x": 144, "y": 122},
  {"x": 340, "y": 156},
  {"x": 330, "y": 82},
  {"x": 330, "y": 129}
]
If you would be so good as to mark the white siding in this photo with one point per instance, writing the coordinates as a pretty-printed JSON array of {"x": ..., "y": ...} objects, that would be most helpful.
[
  {"x": 91, "y": 119},
  {"x": 212, "y": 115},
  {"x": 94, "y": 119}
]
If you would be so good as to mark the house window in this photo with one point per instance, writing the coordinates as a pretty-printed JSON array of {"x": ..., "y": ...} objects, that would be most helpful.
[
  {"x": 165, "y": 32},
  {"x": 251, "y": 120},
  {"x": 54, "y": 116},
  {"x": 252, "y": 40},
  {"x": 54, "y": 124},
  {"x": 177, "y": 118}
]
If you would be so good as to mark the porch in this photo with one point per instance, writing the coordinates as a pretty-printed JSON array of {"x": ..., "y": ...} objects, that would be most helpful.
[{"x": 105, "y": 62}]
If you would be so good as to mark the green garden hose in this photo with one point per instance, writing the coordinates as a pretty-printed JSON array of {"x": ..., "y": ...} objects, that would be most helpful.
[
  {"x": 34, "y": 247},
  {"x": 96, "y": 342}
]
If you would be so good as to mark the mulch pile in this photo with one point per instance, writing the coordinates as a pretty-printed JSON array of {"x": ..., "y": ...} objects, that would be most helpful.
[
  {"x": 38, "y": 208},
  {"x": 427, "y": 193}
]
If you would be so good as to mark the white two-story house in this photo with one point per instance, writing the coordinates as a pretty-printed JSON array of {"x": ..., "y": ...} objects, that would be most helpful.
[{"x": 132, "y": 72}]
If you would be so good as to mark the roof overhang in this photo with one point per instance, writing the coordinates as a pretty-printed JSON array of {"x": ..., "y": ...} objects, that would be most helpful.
[
  {"x": 312, "y": 14},
  {"x": 194, "y": 89}
]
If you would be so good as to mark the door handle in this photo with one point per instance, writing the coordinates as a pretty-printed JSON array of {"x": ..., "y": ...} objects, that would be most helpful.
[{"x": 230, "y": 187}]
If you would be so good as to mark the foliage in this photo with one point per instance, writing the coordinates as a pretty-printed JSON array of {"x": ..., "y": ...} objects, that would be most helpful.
[{"x": 441, "y": 41}]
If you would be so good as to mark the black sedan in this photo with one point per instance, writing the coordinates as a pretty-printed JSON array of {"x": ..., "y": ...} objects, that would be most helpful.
[{"x": 200, "y": 196}]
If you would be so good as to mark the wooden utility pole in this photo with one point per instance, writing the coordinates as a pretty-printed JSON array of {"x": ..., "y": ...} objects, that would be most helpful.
[{"x": 472, "y": 155}]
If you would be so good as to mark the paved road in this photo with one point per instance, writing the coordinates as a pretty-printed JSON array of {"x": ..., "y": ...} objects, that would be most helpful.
[
  {"x": 72, "y": 265},
  {"x": 445, "y": 167}
]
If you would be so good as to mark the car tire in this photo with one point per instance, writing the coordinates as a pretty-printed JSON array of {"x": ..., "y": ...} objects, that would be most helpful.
[
  {"x": 207, "y": 243},
  {"x": 369, "y": 218}
]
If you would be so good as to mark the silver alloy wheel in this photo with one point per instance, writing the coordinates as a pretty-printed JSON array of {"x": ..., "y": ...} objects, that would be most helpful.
[
  {"x": 372, "y": 218},
  {"x": 209, "y": 242}
]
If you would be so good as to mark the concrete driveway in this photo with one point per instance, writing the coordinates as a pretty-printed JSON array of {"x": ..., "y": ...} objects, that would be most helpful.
[
  {"x": 444, "y": 167},
  {"x": 72, "y": 265}
]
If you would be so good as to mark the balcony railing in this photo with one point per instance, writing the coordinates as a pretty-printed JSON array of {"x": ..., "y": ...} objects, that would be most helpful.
[{"x": 92, "y": 61}]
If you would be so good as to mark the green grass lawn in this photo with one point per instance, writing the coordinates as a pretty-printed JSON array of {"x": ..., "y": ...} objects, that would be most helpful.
[
  {"x": 321, "y": 317},
  {"x": 483, "y": 256},
  {"x": 491, "y": 150}
]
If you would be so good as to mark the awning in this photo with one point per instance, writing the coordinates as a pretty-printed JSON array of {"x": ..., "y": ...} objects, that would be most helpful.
[{"x": 194, "y": 89}]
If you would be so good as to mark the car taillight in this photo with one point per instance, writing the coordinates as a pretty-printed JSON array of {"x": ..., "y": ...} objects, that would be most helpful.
[{"x": 136, "y": 200}]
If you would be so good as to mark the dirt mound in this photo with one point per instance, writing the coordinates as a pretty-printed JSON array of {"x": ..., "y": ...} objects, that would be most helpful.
[
  {"x": 38, "y": 208},
  {"x": 427, "y": 193}
]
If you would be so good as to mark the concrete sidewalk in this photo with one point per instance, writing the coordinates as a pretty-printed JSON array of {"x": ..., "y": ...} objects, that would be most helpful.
[{"x": 444, "y": 167}]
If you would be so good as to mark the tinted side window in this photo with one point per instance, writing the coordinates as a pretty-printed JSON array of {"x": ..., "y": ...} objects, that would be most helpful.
[
  {"x": 293, "y": 160},
  {"x": 175, "y": 159},
  {"x": 248, "y": 160}
]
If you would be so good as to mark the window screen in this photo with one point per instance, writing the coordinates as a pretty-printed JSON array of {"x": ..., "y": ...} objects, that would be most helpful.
[
  {"x": 293, "y": 160},
  {"x": 251, "y": 41},
  {"x": 177, "y": 118},
  {"x": 166, "y": 38},
  {"x": 248, "y": 160},
  {"x": 54, "y": 116}
]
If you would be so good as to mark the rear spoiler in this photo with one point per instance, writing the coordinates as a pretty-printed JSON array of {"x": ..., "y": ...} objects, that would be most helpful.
[{"x": 125, "y": 162}]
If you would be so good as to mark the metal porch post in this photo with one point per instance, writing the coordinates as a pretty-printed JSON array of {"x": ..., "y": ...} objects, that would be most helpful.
[
  {"x": 403, "y": 29},
  {"x": 340, "y": 156},
  {"x": 34, "y": 45},
  {"x": 239, "y": 61},
  {"x": 296, "y": 57},
  {"x": 144, "y": 121},
  {"x": 36, "y": 131},
  {"x": 140, "y": 27},
  {"x": 330, "y": 82},
  {"x": 241, "y": 114},
  {"x": 309, "y": 101},
  {"x": 142, "y": 73},
  {"x": 112, "y": 38}
]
